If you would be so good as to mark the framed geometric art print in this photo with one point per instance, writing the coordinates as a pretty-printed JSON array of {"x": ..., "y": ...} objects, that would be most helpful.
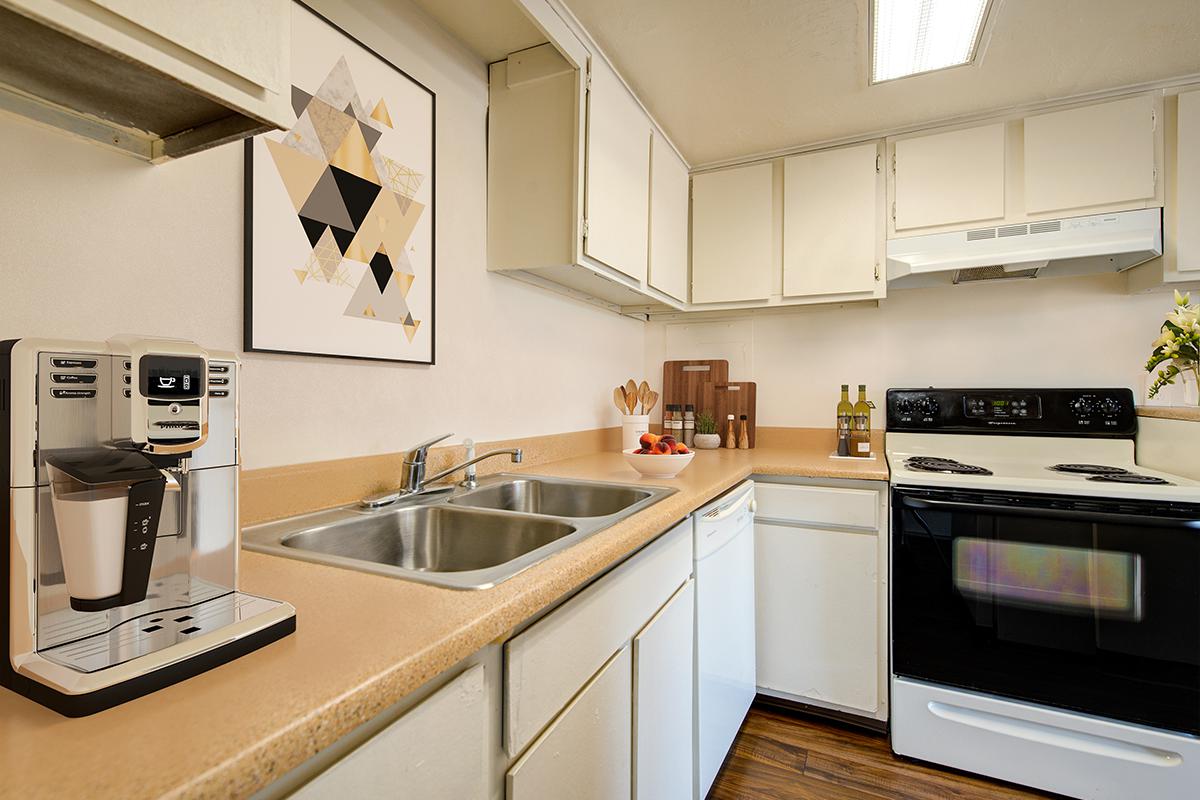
[{"x": 339, "y": 231}]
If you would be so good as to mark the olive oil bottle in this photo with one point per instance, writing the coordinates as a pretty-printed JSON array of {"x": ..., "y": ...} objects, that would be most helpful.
[
  {"x": 860, "y": 436},
  {"x": 845, "y": 416}
]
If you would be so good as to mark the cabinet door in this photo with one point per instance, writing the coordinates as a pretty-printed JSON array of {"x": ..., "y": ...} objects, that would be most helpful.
[
  {"x": 732, "y": 213},
  {"x": 949, "y": 178},
  {"x": 618, "y": 175},
  {"x": 1090, "y": 156},
  {"x": 662, "y": 701},
  {"x": 831, "y": 215},
  {"x": 586, "y": 752},
  {"x": 435, "y": 750},
  {"x": 668, "y": 220},
  {"x": 817, "y": 600},
  {"x": 1187, "y": 186}
]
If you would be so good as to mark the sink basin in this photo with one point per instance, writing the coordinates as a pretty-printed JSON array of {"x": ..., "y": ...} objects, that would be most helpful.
[
  {"x": 432, "y": 538},
  {"x": 554, "y": 498},
  {"x": 454, "y": 537}
]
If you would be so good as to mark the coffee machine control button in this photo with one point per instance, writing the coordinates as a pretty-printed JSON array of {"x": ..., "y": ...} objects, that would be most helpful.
[
  {"x": 175, "y": 409},
  {"x": 218, "y": 369},
  {"x": 218, "y": 381},
  {"x": 73, "y": 394},
  {"x": 127, "y": 380},
  {"x": 127, "y": 393},
  {"x": 73, "y": 363},
  {"x": 219, "y": 393},
  {"x": 73, "y": 377},
  {"x": 128, "y": 365}
]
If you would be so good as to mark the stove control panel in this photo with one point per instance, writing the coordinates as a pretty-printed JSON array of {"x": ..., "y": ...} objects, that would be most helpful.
[
  {"x": 1002, "y": 406},
  {"x": 1030, "y": 412}
]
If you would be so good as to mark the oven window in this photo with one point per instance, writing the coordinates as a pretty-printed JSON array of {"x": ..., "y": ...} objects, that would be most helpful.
[
  {"x": 1063, "y": 579},
  {"x": 1051, "y": 604}
]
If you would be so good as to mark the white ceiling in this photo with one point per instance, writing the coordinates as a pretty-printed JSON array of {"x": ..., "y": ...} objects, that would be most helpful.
[{"x": 733, "y": 78}]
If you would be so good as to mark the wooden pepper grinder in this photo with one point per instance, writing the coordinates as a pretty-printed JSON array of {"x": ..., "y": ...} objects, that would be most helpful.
[
  {"x": 743, "y": 436},
  {"x": 730, "y": 436}
]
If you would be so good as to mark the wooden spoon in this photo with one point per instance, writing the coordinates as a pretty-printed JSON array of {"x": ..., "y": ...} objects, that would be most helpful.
[
  {"x": 651, "y": 401},
  {"x": 643, "y": 392},
  {"x": 619, "y": 400}
]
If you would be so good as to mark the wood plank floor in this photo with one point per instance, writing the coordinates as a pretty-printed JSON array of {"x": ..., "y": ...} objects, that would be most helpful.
[{"x": 781, "y": 756}]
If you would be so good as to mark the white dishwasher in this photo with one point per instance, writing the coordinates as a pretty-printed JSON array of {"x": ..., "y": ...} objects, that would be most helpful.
[{"x": 725, "y": 655}]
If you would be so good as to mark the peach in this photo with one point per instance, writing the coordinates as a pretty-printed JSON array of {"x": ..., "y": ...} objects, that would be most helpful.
[
  {"x": 648, "y": 440},
  {"x": 681, "y": 450},
  {"x": 662, "y": 447}
]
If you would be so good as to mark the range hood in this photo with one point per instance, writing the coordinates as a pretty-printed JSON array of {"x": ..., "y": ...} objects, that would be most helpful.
[{"x": 1048, "y": 248}]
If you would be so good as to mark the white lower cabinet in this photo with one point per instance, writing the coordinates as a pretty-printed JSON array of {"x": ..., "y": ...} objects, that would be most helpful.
[
  {"x": 821, "y": 595},
  {"x": 663, "y": 701},
  {"x": 595, "y": 703},
  {"x": 436, "y": 750},
  {"x": 586, "y": 753}
]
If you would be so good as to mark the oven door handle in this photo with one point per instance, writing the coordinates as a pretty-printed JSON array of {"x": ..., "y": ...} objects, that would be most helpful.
[{"x": 1050, "y": 513}]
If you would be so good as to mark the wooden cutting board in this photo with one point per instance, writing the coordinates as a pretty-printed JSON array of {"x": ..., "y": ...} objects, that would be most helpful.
[
  {"x": 683, "y": 380},
  {"x": 726, "y": 398}
]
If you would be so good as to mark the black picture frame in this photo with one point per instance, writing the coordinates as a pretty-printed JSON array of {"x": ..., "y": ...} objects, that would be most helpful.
[{"x": 248, "y": 228}]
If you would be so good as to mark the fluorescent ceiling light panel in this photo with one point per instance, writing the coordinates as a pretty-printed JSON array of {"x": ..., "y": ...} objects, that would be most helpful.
[{"x": 909, "y": 37}]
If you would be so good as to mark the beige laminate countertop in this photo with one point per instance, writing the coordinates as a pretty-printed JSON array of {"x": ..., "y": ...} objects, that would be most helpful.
[{"x": 362, "y": 643}]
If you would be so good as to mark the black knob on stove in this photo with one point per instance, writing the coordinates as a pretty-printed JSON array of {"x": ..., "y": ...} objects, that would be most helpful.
[{"x": 1083, "y": 407}]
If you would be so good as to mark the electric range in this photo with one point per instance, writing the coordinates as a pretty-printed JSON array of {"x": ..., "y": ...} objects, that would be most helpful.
[{"x": 1045, "y": 593}]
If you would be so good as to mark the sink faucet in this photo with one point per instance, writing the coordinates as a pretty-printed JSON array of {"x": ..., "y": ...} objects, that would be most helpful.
[{"x": 415, "y": 480}]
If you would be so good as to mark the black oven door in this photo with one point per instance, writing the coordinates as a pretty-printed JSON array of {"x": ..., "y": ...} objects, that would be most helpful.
[{"x": 1087, "y": 605}]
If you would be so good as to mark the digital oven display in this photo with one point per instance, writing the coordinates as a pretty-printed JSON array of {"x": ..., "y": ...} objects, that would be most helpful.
[
  {"x": 171, "y": 377},
  {"x": 1004, "y": 407}
]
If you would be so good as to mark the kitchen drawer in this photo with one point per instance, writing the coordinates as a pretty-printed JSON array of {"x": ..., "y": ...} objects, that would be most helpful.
[
  {"x": 821, "y": 506},
  {"x": 545, "y": 666}
]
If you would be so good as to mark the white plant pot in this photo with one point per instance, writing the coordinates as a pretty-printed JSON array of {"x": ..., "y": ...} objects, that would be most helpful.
[
  {"x": 632, "y": 428},
  {"x": 707, "y": 441}
]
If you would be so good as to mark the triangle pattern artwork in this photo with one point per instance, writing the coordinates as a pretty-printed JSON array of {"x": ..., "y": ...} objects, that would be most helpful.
[{"x": 355, "y": 203}]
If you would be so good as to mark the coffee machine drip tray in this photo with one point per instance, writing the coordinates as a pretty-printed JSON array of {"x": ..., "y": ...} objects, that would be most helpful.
[{"x": 184, "y": 628}]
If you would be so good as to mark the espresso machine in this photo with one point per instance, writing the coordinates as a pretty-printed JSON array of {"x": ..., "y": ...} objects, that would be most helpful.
[{"x": 120, "y": 559}]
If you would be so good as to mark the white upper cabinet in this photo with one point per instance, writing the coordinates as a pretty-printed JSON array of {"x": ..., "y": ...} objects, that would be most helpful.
[
  {"x": 618, "y": 175},
  {"x": 1097, "y": 155},
  {"x": 732, "y": 221},
  {"x": 668, "y": 220},
  {"x": 949, "y": 178},
  {"x": 154, "y": 80},
  {"x": 1187, "y": 184},
  {"x": 832, "y": 222}
]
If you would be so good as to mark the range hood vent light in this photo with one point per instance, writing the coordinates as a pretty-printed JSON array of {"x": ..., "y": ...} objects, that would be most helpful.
[{"x": 1049, "y": 248}]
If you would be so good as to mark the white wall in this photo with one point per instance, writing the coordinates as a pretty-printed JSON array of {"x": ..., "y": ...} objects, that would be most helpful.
[
  {"x": 94, "y": 243},
  {"x": 1057, "y": 332}
]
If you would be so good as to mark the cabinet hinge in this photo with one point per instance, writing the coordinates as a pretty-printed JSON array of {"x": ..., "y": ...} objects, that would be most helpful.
[
  {"x": 893, "y": 211},
  {"x": 893, "y": 162},
  {"x": 585, "y": 229},
  {"x": 1154, "y": 120},
  {"x": 877, "y": 273},
  {"x": 1154, "y": 177},
  {"x": 587, "y": 78}
]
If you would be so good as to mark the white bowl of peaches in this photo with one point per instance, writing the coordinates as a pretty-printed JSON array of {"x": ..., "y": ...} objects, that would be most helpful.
[{"x": 659, "y": 456}]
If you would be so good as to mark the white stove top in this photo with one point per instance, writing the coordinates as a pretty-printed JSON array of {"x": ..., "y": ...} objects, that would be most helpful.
[{"x": 1022, "y": 464}]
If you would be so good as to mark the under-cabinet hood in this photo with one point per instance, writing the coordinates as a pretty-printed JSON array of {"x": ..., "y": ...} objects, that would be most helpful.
[{"x": 1047, "y": 248}]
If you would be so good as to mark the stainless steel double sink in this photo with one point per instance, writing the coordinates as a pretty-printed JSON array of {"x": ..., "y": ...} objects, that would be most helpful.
[{"x": 462, "y": 539}]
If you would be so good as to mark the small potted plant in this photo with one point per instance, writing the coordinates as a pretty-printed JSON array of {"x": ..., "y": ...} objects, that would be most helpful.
[
  {"x": 706, "y": 437},
  {"x": 1179, "y": 348}
]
